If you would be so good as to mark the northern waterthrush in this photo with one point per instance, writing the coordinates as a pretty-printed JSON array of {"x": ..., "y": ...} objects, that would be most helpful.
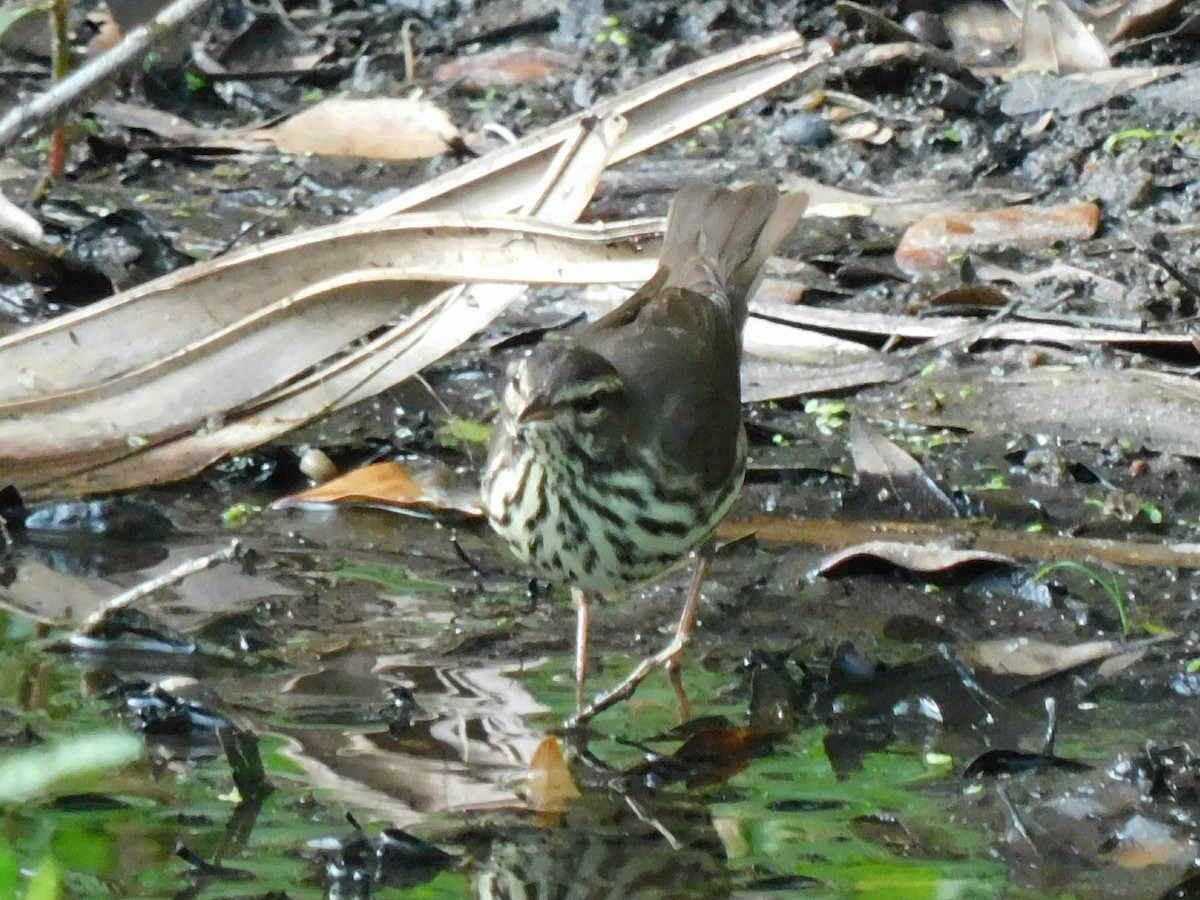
[{"x": 620, "y": 448}]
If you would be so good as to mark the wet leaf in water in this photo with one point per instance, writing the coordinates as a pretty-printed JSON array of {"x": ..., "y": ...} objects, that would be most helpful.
[
  {"x": 710, "y": 756},
  {"x": 1033, "y": 658},
  {"x": 1141, "y": 841},
  {"x": 549, "y": 783},
  {"x": 1016, "y": 762},
  {"x": 393, "y": 485}
]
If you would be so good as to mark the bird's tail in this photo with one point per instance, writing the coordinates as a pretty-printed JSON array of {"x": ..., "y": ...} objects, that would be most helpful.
[{"x": 718, "y": 239}]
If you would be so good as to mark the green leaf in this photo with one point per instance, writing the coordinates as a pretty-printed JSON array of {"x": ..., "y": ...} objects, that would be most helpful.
[
  {"x": 10, "y": 16},
  {"x": 46, "y": 883},
  {"x": 456, "y": 430},
  {"x": 31, "y": 774},
  {"x": 10, "y": 870}
]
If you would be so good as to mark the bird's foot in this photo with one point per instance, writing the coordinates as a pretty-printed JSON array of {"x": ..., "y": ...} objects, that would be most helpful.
[{"x": 667, "y": 658}]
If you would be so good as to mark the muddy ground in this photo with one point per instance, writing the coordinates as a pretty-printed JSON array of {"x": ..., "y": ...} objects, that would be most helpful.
[{"x": 876, "y": 726}]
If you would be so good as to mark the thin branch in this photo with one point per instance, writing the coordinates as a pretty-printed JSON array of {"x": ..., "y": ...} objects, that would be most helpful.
[
  {"x": 75, "y": 89},
  {"x": 92, "y": 623}
]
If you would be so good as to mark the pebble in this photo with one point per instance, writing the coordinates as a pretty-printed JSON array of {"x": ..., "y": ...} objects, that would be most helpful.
[{"x": 805, "y": 129}]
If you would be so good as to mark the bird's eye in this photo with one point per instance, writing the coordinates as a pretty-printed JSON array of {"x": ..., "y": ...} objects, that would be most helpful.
[{"x": 589, "y": 405}]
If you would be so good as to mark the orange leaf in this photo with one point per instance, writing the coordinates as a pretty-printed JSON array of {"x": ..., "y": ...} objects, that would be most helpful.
[
  {"x": 393, "y": 486},
  {"x": 550, "y": 785}
]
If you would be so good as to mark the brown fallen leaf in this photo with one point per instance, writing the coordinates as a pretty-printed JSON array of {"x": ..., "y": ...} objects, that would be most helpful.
[
  {"x": 392, "y": 485},
  {"x": 1138, "y": 18},
  {"x": 923, "y": 559},
  {"x": 505, "y": 66},
  {"x": 710, "y": 756},
  {"x": 927, "y": 245},
  {"x": 549, "y": 785}
]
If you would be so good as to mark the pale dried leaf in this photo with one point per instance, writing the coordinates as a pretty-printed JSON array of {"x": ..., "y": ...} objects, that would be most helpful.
[
  {"x": 883, "y": 468},
  {"x": 1055, "y": 39},
  {"x": 1033, "y": 658},
  {"x": 390, "y": 128}
]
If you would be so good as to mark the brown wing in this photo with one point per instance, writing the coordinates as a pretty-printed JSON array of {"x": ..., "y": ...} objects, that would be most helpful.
[
  {"x": 679, "y": 360},
  {"x": 677, "y": 341}
]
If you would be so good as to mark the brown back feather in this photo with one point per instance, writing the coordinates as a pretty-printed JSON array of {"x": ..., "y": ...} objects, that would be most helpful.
[{"x": 677, "y": 341}]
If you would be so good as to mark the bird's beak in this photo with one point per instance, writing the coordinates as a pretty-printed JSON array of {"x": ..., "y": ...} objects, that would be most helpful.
[{"x": 534, "y": 413}]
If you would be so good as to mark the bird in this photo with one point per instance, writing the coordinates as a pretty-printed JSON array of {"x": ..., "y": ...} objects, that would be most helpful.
[{"x": 618, "y": 448}]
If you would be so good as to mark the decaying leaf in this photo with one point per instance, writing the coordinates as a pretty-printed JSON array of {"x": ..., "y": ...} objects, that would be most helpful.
[
  {"x": 392, "y": 485},
  {"x": 505, "y": 66},
  {"x": 1073, "y": 94},
  {"x": 923, "y": 559},
  {"x": 1137, "y": 18},
  {"x": 1032, "y": 658},
  {"x": 927, "y": 246}
]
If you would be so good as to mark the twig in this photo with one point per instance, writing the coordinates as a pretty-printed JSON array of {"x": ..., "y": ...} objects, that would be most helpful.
[
  {"x": 410, "y": 63},
  {"x": 92, "y": 623},
  {"x": 74, "y": 90},
  {"x": 654, "y": 823}
]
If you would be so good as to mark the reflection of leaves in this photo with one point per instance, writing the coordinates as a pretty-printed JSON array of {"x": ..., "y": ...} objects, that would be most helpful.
[{"x": 394, "y": 579}]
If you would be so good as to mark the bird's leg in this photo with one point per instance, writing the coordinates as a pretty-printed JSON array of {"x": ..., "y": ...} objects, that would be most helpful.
[
  {"x": 681, "y": 697},
  {"x": 668, "y": 656},
  {"x": 583, "y": 632},
  {"x": 674, "y": 651}
]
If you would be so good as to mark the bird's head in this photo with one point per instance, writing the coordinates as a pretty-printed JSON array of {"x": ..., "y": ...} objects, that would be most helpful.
[{"x": 568, "y": 393}]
